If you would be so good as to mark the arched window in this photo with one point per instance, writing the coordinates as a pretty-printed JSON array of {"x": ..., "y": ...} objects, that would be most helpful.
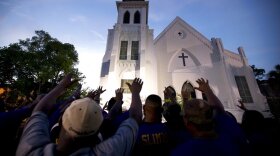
[
  {"x": 137, "y": 17},
  {"x": 126, "y": 17}
]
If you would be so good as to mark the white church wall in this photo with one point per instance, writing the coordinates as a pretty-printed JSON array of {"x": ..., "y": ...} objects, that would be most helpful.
[
  {"x": 168, "y": 49},
  {"x": 178, "y": 54},
  {"x": 239, "y": 67}
]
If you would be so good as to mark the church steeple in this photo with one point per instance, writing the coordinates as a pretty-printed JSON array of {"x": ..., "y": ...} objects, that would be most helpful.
[
  {"x": 132, "y": 12},
  {"x": 129, "y": 50}
]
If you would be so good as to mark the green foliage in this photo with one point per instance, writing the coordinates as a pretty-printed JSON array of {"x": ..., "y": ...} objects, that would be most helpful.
[{"x": 36, "y": 64}]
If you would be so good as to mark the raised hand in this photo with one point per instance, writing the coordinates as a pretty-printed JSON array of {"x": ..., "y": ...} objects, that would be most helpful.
[
  {"x": 117, "y": 107},
  {"x": 241, "y": 106},
  {"x": 67, "y": 81},
  {"x": 119, "y": 94},
  {"x": 203, "y": 85},
  {"x": 136, "y": 86},
  {"x": 95, "y": 94},
  {"x": 91, "y": 94},
  {"x": 135, "y": 110},
  {"x": 213, "y": 100},
  {"x": 47, "y": 103},
  {"x": 99, "y": 90}
]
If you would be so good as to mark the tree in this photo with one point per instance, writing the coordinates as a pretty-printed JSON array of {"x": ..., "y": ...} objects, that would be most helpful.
[
  {"x": 37, "y": 63},
  {"x": 258, "y": 72},
  {"x": 274, "y": 79}
]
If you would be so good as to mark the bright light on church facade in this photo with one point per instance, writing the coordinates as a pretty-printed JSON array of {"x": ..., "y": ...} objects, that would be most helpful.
[{"x": 178, "y": 54}]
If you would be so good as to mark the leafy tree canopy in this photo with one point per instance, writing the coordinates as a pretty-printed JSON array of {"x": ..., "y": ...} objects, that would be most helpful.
[
  {"x": 36, "y": 64},
  {"x": 274, "y": 79}
]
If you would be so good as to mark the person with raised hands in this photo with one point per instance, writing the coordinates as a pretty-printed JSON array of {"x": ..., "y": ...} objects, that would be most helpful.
[
  {"x": 109, "y": 125},
  {"x": 213, "y": 131},
  {"x": 171, "y": 108},
  {"x": 116, "y": 109},
  {"x": 135, "y": 110},
  {"x": 153, "y": 136},
  {"x": 80, "y": 126}
]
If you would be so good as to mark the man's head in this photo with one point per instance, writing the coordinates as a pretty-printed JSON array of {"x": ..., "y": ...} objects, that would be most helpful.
[
  {"x": 198, "y": 113},
  {"x": 172, "y": 91},
  {"x": 153, "y": 106},
  {"x": 82, "y": 118}
]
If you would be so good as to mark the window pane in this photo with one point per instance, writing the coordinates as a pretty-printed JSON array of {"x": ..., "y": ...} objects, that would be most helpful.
[
  {"x": 134, "y": 50},
  {"x": 126, "y": 17},
  {"x": 137, "y": 17},
  {"x": 123, "y": 50},
  {"x": 243, "y": 89}
]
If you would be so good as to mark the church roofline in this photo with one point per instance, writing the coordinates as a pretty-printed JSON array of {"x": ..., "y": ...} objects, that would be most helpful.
[
  {"x": 133, "y": 4},
  {"x": 192, "y": 30},
  {"x": 130, "y": 4}
]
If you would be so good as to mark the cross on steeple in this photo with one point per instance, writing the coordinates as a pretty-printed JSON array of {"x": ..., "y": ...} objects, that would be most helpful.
[{"x": 183, "y": 57}]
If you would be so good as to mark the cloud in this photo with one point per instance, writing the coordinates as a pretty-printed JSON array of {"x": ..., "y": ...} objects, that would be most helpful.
[
  {"x": 79, "y": 19},
  {"x": 97, "y": 34}
]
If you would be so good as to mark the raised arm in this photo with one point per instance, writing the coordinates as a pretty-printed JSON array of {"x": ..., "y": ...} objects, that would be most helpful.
[
  {"x": 213, "y": 100},
  {"x": 118, "y": 105},
  {"x": 135, "y": 110},
  {"x": 47, "y": 103},
  {"x": 95, "y": 94}
]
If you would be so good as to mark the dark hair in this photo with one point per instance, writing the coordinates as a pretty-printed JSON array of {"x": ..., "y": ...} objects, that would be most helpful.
[
  {"x": 155, "y": 99},
  {"x": 156, "y": 103},
  {"x": 173, "y": 91}
]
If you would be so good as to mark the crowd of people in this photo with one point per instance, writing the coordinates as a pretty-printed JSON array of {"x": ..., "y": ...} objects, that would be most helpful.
[{"x": 79, "y": 126}]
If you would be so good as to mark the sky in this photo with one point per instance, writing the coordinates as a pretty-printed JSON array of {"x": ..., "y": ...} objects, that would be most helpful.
[{"x": 252, "y": 24}]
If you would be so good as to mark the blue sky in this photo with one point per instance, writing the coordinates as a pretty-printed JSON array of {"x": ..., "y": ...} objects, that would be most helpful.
[{"x": 252, "y": 24}]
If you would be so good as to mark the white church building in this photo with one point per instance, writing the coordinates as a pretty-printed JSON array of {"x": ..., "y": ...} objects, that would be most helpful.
[{"x": 178, "y": 54}]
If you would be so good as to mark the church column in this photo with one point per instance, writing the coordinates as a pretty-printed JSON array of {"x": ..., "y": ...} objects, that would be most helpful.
[
  {"x": 228, "y": 77},
  {"x": 113, "y": 78},
  {"x": 243, "y": 56}
]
